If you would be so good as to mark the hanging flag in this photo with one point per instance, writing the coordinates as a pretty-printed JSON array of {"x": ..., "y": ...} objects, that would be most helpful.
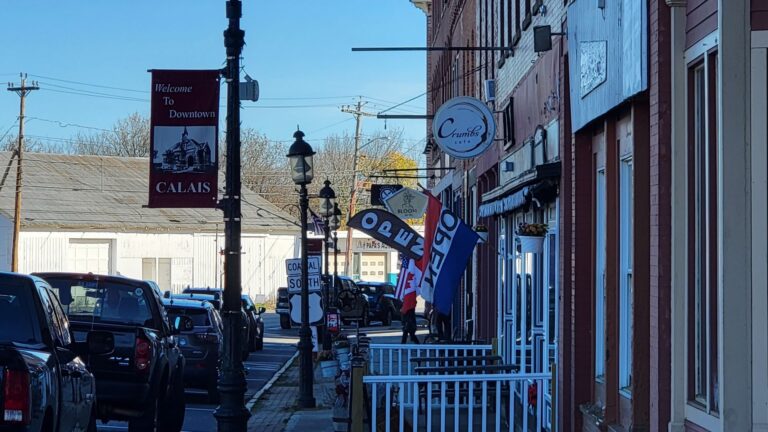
[
  {"x": 390, "y": 230},
  {"x": 430, "y": 225},
  {"x": 450, "y": 249},
  {"x": 400, "y": 288},
  {"x": 318, "y": 226}
]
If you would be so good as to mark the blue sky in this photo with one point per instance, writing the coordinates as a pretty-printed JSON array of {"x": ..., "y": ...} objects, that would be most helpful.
[{"x": 295, "y": 49}]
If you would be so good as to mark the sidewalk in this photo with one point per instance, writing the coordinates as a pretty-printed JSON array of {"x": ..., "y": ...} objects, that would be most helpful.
[{"x": 277, "y": 411}]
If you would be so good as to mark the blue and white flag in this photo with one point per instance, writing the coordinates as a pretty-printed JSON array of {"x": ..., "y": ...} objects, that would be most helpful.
[{"x": 452, "y": 245}]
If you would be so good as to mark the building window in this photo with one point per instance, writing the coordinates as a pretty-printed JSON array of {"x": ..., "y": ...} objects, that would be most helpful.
[
  {"x": 600, "y": 232},
  {"x": 625, "y": 282},
  {"x": 702, "y": 235},
  {"x": 158, "y": 270},
  {"x": 528, "y": 18},
  {"x": 516, "y": 31},
  {"x": 509, "y": 124}
]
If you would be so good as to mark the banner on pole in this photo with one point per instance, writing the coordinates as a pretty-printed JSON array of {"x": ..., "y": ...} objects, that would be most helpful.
[
  {"x": 450, "y": 250},
  {"x": 184, "y": 130},
  {"x": 390, "y": 230}
]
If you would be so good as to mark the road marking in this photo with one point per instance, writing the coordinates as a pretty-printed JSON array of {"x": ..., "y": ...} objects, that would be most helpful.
[{"x": 201, "y": 409}]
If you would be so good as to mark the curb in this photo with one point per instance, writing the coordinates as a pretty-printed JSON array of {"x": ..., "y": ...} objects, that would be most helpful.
[{"x": 255, "y": 398}]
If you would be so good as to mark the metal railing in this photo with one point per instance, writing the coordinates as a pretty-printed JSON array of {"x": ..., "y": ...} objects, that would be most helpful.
[
  {"x": 509, "y": 402},
  {"x": 395, "y": 359}
]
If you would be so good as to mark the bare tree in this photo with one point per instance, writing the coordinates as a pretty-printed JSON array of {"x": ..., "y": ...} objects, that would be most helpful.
[
  {"x": 128, "y": 137},
  {"x": 11, "y": 143}
]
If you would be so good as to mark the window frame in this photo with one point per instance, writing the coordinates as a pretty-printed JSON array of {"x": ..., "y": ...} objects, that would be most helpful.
[
  {"x": 626, "y": 244},
  {"x": 702, "y": 343},
  {"x": 600, "y": 238}
]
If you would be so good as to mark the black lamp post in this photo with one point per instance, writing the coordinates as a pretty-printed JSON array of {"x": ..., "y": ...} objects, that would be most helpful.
[
  {"x": 327, "y": 200},
  {"x": 302, "y": 171},
  {"x": 232, "y": 415},
  {"x": 335, "y": 224}
]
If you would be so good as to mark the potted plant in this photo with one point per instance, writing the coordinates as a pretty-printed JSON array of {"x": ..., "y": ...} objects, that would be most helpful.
[
  {"x": 531, "y": 237},
  {"x": 482, "y": 231},
  {"x": 328, "y": 364}
]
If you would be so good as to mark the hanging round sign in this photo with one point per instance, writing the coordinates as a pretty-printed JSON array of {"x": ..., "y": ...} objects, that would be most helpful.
[{"x": 464, "y": 127}]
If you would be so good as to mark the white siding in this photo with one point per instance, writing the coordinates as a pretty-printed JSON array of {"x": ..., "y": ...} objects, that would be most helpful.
[{"x": 193, "y": 256}]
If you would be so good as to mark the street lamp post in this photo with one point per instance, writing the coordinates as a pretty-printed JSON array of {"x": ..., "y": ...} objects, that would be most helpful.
[
  {"x": 327, "y": 201},
  {"x": 231, "y": 415},
  {"x": 302, "y": 171},
  {"x": 335, "y": 223}
]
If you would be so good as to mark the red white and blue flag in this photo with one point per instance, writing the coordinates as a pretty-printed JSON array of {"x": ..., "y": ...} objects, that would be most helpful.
[
  {"x": 407, "y": 283},
  {"x": 450, "y": 245}
]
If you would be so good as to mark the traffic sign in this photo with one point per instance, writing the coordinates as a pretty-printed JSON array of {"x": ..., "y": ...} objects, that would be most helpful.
[
  {"x": 293, "y": 269},
  {"x": 315, "y": 308}
]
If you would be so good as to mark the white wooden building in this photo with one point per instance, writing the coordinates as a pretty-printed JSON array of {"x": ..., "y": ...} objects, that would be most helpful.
[{"x": 86, "y": 214}]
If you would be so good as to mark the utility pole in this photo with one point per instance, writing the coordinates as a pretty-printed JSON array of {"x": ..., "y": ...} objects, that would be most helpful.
[
  {"x": 359, "y": 114},
  {"x": 231, "y": 415},
  {"x": 23, "y": 90}
]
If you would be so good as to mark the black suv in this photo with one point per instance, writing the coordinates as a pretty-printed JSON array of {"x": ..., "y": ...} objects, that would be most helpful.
[
  {"x": 351, "y": 301},
  {"x": 255, "y": 322},
  {"x": 382, "y": 304},
  {"x": 283, "y": 307},
  {"x": 217, "y": 303},
  {"x": 142, "y": 380},
  {"x": 201, "y": 344}
]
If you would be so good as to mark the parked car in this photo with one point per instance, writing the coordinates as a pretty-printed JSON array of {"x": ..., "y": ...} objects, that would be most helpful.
[
  {"x": 201, "y": 345},
  {"x": 351, "y": 301},
  {"x": 142, "y": 380},
  {"x": 255, "y": 323},
  {"x": 216, "y": 302},
  {"x": 382, "y": 304},
  {"x": 283, "y": 307},
  {"x": 44, "y": 383}
]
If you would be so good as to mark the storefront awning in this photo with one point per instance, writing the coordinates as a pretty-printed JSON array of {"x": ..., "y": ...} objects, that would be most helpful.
[{"x": 520, "y": 191}]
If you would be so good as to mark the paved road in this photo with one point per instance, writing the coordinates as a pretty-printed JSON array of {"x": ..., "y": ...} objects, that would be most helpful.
[{"x": 279, "y": 346}]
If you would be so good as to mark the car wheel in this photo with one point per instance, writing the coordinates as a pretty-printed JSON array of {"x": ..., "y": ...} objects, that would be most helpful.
[
  {"x": 285, "y": 322},
  {"x": 213, "y": 391},
  {"x": 387, "y": 321},
  {"x": 172, "y": 416},
  {"x": 92, "y": 421},
  {"x": 260, "y": 343},
  {"x": 252, "y": 344},
  {"x": 148, "y": 421}
]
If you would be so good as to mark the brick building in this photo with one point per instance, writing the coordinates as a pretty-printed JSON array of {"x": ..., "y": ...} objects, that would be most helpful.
[{"x": 640, "y": 138}]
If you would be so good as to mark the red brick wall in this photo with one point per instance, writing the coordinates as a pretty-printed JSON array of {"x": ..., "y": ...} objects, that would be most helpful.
[
  {"x": 660, "y": 213},
  {"x": 759, "y": 16}
]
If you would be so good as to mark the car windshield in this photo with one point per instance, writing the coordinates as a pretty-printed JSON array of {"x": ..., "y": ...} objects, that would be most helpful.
[
  {"x": 17, "y": 314},
  {"x": 103, "y": 301},
  {"x": 199, "y": 316}
]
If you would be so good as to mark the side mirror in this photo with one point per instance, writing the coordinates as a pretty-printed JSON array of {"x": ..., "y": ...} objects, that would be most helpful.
[
  {"x": 100, "y": 342},
  {"x": 182, "y": 323},
  {"x": 262, "y": 310},
  {"x": 167, "y": 294}
]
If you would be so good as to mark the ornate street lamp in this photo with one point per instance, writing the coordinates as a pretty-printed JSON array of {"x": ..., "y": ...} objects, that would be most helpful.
[
  {"x": 327, "y": 201},
  {"x": 300, "y": 157},
  {"x": 335, "y": 224}
]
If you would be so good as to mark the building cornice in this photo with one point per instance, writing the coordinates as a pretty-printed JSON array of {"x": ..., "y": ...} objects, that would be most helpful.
[
  {"x": 677, "y": 3},
  {"x": 424, "y": 5}
]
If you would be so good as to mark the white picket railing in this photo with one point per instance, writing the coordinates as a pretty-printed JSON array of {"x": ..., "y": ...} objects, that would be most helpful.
[
  {"x": 395, "y": 359},
  {"x": 478, "y": 402}
]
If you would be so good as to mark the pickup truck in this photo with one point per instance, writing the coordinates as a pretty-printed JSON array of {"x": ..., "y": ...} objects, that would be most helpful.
[
  {"x": 142, "y": 380},
  {"x": 44, "y": 384},
  {"x": 352, "y": 302}
]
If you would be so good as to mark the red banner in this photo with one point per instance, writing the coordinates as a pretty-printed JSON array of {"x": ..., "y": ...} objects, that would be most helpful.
[{"x": 184, "y": 132}]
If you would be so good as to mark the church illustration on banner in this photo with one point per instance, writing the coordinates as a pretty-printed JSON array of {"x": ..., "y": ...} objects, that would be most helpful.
[{"x": 185, "y": 155}]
